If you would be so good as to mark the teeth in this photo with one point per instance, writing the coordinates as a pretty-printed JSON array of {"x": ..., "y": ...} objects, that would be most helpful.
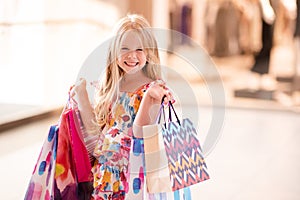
[{"x": 131, "y": 63}]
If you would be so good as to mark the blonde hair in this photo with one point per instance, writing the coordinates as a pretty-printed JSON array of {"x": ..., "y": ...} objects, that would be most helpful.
[{"x": 109, "y": 86}]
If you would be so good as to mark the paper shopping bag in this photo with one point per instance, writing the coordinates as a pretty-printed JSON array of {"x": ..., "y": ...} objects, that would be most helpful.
[
  {"x": 156, "y": 161},
  {"x": 41, "y": 184},
  {"x": 173, "y": 154},
  {"x": 185, "y": 160},
  {"x": 63, "y": 168}
]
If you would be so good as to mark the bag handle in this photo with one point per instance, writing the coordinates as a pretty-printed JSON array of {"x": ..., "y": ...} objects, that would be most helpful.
[
  {"x": 70, "y": 104},
  {"x": 162, "y": 111},
  {"x": 171, "y": 107}
]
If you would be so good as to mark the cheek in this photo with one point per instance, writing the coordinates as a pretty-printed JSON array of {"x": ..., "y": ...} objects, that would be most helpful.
[
  {"x": 121, "y": 58},
  {"x": 119, "y": 61},
  {"x": 142, "y": 57}
]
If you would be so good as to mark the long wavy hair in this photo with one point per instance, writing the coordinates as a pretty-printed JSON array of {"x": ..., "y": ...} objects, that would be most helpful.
[{"x": 109, "y": 85}]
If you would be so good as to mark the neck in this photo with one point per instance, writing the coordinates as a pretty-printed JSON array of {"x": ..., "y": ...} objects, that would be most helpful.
[{"x": 133, "y": 77}]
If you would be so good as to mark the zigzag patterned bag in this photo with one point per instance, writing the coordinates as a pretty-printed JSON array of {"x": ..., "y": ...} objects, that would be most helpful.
[
  {"x": 186, "y": 165},
  {"x": 185, "y": 160}
]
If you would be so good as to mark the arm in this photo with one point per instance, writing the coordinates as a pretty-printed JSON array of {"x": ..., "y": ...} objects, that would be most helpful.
[
  {"x": 85, "y": 108},
  {"x": 149, "y": 107}
]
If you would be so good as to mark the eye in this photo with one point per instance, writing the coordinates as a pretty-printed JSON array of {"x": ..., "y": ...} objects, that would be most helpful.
[
  {"x": 139, "y": 49},
  {"x": 124, "y": 49}
]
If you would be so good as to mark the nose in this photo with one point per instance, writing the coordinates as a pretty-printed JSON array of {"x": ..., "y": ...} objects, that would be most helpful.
[{"x": 131, "y": 54}]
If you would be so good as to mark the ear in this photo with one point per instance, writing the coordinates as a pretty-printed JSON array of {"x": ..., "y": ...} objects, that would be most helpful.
[{"x": 148, "y": 58}]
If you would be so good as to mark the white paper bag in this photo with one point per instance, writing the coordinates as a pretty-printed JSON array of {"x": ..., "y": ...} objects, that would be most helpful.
[{"x": 157, "y": 171}]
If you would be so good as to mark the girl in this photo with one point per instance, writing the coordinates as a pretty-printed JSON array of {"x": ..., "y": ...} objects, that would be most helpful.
[{"x": 128, "y": 98}]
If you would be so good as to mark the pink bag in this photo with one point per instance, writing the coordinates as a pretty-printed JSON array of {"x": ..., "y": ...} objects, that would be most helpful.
[
  {"x": 63, "y": 169},
  {"x": 81, "y": 157}
]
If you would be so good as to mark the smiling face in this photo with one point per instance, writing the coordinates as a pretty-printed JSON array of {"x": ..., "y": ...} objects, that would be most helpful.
[{"x": 132, "y": 55}]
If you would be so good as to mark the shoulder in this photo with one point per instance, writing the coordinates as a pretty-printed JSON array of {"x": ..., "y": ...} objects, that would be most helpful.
[{"x": 142, "y": 89}]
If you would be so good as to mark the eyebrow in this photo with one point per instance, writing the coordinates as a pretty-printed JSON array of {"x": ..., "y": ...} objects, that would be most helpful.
[{"x": 139, "y": 47}]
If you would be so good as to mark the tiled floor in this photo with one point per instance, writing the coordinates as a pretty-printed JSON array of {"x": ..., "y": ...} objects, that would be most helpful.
[
  {"x": 19, "y": 149},
  {"x": 256, "y": 156}
]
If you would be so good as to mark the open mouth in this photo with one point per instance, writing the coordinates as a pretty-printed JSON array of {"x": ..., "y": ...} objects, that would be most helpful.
[{"x": 131, "y": 64}]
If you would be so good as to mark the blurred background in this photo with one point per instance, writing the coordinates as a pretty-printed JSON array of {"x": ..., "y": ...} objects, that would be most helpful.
[{"x": 253, "y": 44}]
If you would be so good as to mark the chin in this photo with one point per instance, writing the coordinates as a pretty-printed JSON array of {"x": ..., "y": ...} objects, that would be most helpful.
[{"x": 133, "y": 70}]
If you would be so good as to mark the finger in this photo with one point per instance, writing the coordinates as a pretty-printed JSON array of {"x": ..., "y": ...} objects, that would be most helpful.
[
  {"x": 72, "y": 94},
  {"x": 167, "y": 95},
  {"x": 82, "y": 81},
  {"x": 159, "y": 81}
]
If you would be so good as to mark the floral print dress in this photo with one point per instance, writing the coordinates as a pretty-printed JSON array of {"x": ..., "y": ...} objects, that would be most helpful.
[{"x": 114, "y": 178}]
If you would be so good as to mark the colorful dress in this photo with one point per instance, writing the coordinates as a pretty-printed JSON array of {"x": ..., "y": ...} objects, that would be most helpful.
[
  {"x": 112, "y": 176},
  {"x": 63, "y": 167}
]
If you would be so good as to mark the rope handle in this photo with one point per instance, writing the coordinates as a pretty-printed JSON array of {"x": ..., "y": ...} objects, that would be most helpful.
[{"x": 162, "y": 111}]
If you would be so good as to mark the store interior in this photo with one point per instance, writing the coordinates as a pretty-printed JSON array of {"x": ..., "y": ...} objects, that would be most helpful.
[
  {"x": 253, "y": 44},
  {"x": 239, "y": 57}
]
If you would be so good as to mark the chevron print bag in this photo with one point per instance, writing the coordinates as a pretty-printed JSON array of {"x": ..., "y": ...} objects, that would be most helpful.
[
  {"x": 185, "y": 160},
  {"x": 173, "y": 154}
]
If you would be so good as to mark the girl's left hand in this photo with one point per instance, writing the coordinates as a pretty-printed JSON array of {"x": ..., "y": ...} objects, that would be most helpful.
[{"x": 157, "y": 90}]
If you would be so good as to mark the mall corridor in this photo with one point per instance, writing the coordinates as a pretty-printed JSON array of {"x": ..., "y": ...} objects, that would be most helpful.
[
  {"x": 256, "y": 156},
  {"x": 47, "y": 45}
]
